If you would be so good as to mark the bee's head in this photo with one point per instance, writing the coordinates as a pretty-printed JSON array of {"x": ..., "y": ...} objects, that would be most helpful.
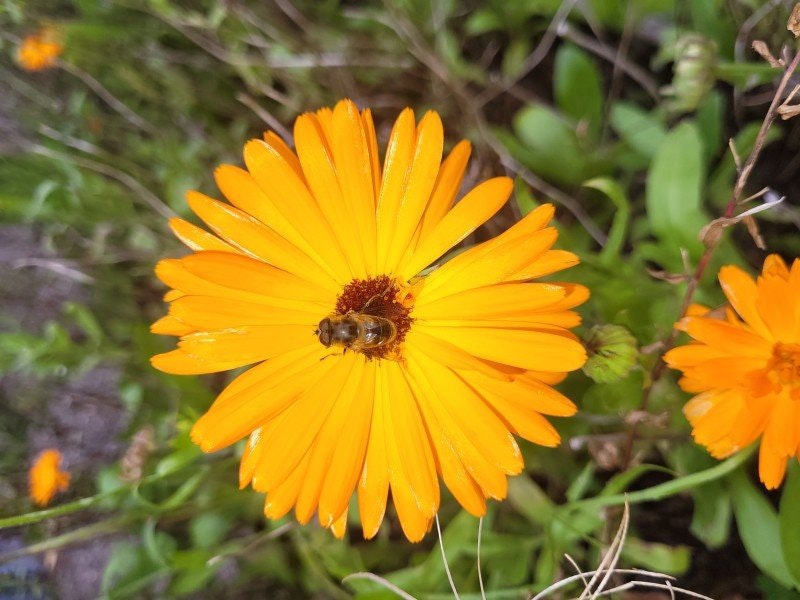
[{"x": 324, "y": 332}]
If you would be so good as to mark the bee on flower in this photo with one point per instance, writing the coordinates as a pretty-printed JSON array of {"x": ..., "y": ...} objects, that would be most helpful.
[
  {"x": 45, "y": 477},
  {"x": 368, "y": 376},
  {"x": 745, "y": 368}
]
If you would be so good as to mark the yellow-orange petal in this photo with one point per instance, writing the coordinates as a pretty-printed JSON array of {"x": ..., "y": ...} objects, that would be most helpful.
[
  {"x": 323, "y": 181},
  {"x": 246, "y": 344},
  {"x": 469, "y": 412},
  {"x": 526, "y": 423},
  {"x": 396, "y": 169},
  {"x": 278, "y": 144},
  {"x": 490, "y": 302},
  {"x": 374, "y": 153},
  {"x": 349, "y": 454},
  {"x": 452, "y": 356},
  {"x": 418, "y": 188},
  {"x": 448, "y": 182},
  {"x": 741, "y": 291},
  {"x": 339, "y": 526},
  {"x": 351, "y": 152},
  {"x": 775, "y": 266},
  {"x": 411, "y": 442},
  {"x": 170, "y": 325},
  {"x": 323, "y": 447},
  {"x": 478, "y": 266},
  {"x": 474, "y": 209},
  {"x": 237, "y": 272},
  {"x": 771, "y": 469},
  {"x": 455, "y": 475},
  {"x": 258, "y": 396},
  {"x": 526, "y": 391},
  {"x": 373, "y": 486},
  {"x": 256, "y": 239},
  {"x": 691, "y": 354},
  {"x": 778, "y": 307},
  {"x": 209, "y": 313},
  {"x": 250, "y": 458},
  {"x": 261, "y": 467},
  {"x": 782, "y": 433},
  {"x": 286, "y": 190},
  {"x": 302, "y": 421},
  {"x": 196, "y": 238},
  {"x": 525, "y": 349},
  {"x": 488, "y": 476},
  {"x": 724, "y": 336},
  {"x": 241, "y": 190},
  {"x": 178, "y": 362},
  {"x": 283, "y": 496}
]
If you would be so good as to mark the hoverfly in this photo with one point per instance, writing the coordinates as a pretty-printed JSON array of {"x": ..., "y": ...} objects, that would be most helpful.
[{"x": 356, "y": 331}]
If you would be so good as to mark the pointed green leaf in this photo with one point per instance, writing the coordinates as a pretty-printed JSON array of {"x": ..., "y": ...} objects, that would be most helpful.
[
  {"x": 758, "y": 528},
  {"x": 674, "y": 188},
  {"x": 577, "y": 87}
]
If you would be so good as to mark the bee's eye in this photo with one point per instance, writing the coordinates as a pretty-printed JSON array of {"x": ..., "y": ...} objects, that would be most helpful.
[{"x": 324, "y": 332}]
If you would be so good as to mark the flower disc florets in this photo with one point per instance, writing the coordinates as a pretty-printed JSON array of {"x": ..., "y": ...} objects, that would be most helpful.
[{"x": 380, "y": 297}]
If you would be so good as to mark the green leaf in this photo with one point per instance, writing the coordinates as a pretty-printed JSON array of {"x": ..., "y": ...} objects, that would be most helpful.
[
  {"x": 526, "y": 202},
  {"x": 747, "y": 75},
  {"x": 615, "y": 14},
  {"x": 549, "y": 147},
  {"x": 208, "y": 529},
  {"x": 618, "y": 197},
  {"x": 617, "y": 397},
  {"x": 577, "y": 87},
  {"x": 514, "y": 56},
  {"x": 530, "y": 500},
  {"x": 789, "y": 521},
  {"x": 640, "y": 129},
  {"x": 758, "y": 528},
  {"x": 674, "y": 187},
  {"x": 710, "y": 116},
  {"x": 672, "y": 560},
  {"x": 711, "y": 519}
]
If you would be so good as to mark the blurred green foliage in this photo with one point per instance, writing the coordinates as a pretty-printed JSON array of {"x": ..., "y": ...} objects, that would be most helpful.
[{"x": 599, "y": 104}]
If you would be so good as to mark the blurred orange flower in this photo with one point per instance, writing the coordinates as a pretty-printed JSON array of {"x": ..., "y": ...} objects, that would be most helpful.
[
  {"x": 745, "y": 368},
  {"x": 45, "y": 478},
  {"x": 39, "y": 51}
]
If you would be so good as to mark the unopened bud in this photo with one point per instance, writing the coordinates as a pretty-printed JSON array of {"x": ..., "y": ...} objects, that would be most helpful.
[{"x": 612, "y": 353}]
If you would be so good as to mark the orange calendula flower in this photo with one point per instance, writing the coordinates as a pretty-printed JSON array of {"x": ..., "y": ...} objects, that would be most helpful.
[
  {"x": 371, "y": 373},
  {"x": 45, "y": 478},
  {"x": 745, "y": 368},
  {"x": 40, "y": 50}
]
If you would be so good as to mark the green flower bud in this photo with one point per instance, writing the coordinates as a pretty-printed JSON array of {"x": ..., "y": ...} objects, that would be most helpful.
[
  {"x": 612, "y": 353},
  {"x": 693, "y": 72}
]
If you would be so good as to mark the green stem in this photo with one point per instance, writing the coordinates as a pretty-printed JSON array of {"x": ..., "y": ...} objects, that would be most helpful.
[
  {"x": 669, "y": 488},
  {"x": 57, "y": 511},
  {"x": 78, "y": 535},
  {"x": 83, "y": 503}
]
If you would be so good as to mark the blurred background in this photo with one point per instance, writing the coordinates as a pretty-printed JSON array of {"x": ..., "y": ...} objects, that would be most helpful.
[{"x": 619, "y": 112}]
